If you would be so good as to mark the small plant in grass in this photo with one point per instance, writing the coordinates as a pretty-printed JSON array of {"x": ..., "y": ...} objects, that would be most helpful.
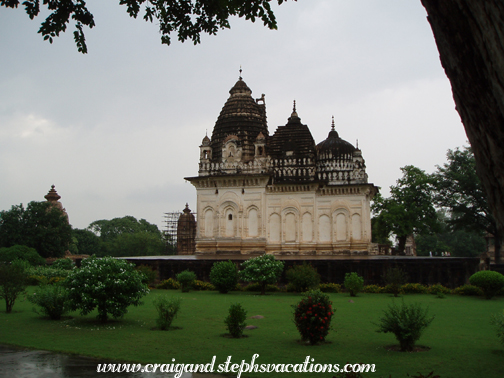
[
  {"x": 167, "y": 308},
  {"x": 489, "y": 281},
  {"x": 406, "y": 322},
  {"x": 224, "y": 276},
  {"x": 394, "y": 278},
  {"x": 235, "y": 321},
  {"x": 312, "y": 316},
  {"x": 302, "y": 277},
  {"x": 264, "y": 269},
  {"x": 353, "y": 283},
  {"x": 498, "y": 321},
  {"x": 13, "y": 280},
  {"x": 170, "y": 283},
  {"x": 52, "y": 300},
  {"x": 186, "y": 279}
]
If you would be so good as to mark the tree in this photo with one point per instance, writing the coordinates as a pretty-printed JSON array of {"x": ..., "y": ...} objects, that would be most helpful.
[
  {"x": 40, "y": 226},
  {"x": 468, "y": 35},
  {"x": 13, "y": 279},
  {"x": 459, "y": 190},
  {"x": 109, "y": 230},
  {"x": 409, "y": 208},
  {"x": 88, "y": 243},
  {"x": 186, "y": 17},
  {"x": 21, "y": 252},
  {"x": 264, "y": 269},
  {"x": 107, "y": 284}
]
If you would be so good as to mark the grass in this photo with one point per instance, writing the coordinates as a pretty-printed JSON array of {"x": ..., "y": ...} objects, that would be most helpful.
[{"x": 462, "y": 341}]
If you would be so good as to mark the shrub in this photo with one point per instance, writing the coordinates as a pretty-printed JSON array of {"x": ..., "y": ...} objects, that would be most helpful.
[
  {"x": 47, "y": 272},
  {"x": 235, "y": 321},
  {"x": 394, "y": 278},
  {"x": 186, "y": 279},
  {"x": 170, "y": 283},
  {"x": 64, "y": 264},
  {"x": 373, "y": 289},
  {"x": 149, "y": 274},
  {"x": 167, "y": 308},
  {"x": 13, "y": 277},
  {"x": 202, "y": 285},
  {"x": 468, "y": 290},
  {"x": 414, "y": 288},
  {"x": 438, "y": 288},
  {"x": 330, "y": 288},
  {"x": 353, "y": 283},
  {"x": 224, "y": 276},
  {"x": 52, "y": 300},
  {"x": 264, "y": 270},
  {"x": 312, "y": 316},
  {"x": 21, "y": 252},
  {"x": 392, "y": 289},
  {"x": 258, "y": 287},
  {"x": 498, "y": 321},
  {"x": 489, "y": 281},
  {"x": 406, "y": 322},
  {"x": 302, "y": 277},
  {"x": 107, "y": 284}
]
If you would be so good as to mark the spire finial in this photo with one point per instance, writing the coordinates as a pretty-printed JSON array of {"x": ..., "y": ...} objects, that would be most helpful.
[
  {"x": 357, "y": 143},
  {"x": 294, "y": 113},
  {"x": 240, "y": 72},
  {"x": 332, "y": 124}
]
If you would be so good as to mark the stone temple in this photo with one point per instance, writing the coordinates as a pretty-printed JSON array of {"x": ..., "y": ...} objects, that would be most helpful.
[{"x": 281, "y": 194}]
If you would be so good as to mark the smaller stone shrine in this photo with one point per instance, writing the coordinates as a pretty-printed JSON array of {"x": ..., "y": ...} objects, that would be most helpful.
[{"x": 186, "y": 233}]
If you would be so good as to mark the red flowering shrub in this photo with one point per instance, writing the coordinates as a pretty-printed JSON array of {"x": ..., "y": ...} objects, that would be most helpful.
[{"x": 312, "y": 316}]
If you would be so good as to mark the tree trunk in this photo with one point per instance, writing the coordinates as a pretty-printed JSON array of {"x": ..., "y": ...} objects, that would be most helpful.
[
  {"x": 470, "y": 38},
  {"x": 401, "y": 245}
]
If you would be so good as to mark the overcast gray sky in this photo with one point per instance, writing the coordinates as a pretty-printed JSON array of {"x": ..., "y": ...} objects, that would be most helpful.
[{"x": 118, "y": 129}]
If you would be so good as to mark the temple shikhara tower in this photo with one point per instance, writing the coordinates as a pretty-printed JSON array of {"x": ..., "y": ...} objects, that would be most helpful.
[{"x": 283, "y": 193}]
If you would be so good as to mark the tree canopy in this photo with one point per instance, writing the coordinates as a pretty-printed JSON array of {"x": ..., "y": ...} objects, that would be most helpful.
[
  {"x": 188, "y": 18},
  {"x": 40, "y": 226}
]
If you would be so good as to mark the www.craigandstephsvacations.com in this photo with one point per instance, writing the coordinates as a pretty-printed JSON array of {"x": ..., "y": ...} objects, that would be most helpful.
[{"x": 308, "y": 366}]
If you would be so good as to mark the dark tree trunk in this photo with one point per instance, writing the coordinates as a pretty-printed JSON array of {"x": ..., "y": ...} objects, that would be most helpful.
[
  {"x": 401, "y": 245},
  {"x": 470, "y": 38}
]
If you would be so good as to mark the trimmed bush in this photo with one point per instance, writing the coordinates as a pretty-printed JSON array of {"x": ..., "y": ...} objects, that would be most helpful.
[
  {"x": 186, "y": 280},
  {"x": 52, "y": 300},
  {"x": 235, "y": 321},
  {"x": 169, "y": 284},
  {"x": 373, "y": 289},
  {"x": 64, "y": 264},
  {"x": 406, "y": 322},
  {"x": 498, "y": 321},
  {"x": 489, "y": 281},
  {"x": 468, "y": 290},
  {"x": 264, "y": 269},
  {"x": 312, "y": 316},
  {"x": 302, "y": 278},
  {"x": 21, "y": 252},
  {"x": 107, "y": 284},
  {"x": 330, "y": 288},
  {"x": 414, "y": 288},
  {"x": 167, "y": 308},
  {"x": 438, "y": 288},
  {"x": 394, "y": 278},
  {"x": 203, "y": 286},
  {"x": 353, "y": 283},
  {"x": 224, "y": 276}
]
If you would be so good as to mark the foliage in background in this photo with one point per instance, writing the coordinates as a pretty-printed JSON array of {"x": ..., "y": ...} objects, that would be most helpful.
[
  {"x": 13, "y": 277},
  {"x": 202, "y": 285},
  {"x": 468, "y": 290},
  {"x": 224, "y": 276},
  {"x": 394, "y": 278},
  {"x": 88, "y": 243},
  {"x": 409, "y": 209},
  {"x": 40, "y": 226},
  {"x": 264, "y": 269},
  {"x": 414, "y": 288},
  {"x": 438, "y": 288},
  {"x": 167, "y": 308},
  {"x": 312, "y": 316},
  {"x": 406, "y": 322},
  {"x": 489, "y": 281},
  {"x": 52, "y": 300},
  {"x": 302, "y": 277},
  {"x": 65, "y": 264},
  {"x": 353, "y": 283},
  {"x": 169, "y": 284},
  {"x": 186, "y": 279},
  {"x": 21, "y": 252},
  {"x": 235, "y": 321},
  {"x": 149, "y": 274},
  {"x": 107, "y": 284},
  {"x": 330, "y": 288}
]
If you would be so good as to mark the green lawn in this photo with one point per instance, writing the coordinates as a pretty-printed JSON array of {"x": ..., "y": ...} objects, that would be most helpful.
[{"x": 462, "y": 341}]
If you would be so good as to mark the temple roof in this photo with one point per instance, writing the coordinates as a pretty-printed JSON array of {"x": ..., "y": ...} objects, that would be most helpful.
[{"x": 334, "y": 145}]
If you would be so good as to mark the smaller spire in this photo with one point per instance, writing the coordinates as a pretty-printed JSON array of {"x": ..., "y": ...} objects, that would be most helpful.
[
  {"x": 332, "y": 125},
  {"x": 294, "y": 113},
  {"x": 240, "y": 73},
  {"x": 357, "y": 143}
]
